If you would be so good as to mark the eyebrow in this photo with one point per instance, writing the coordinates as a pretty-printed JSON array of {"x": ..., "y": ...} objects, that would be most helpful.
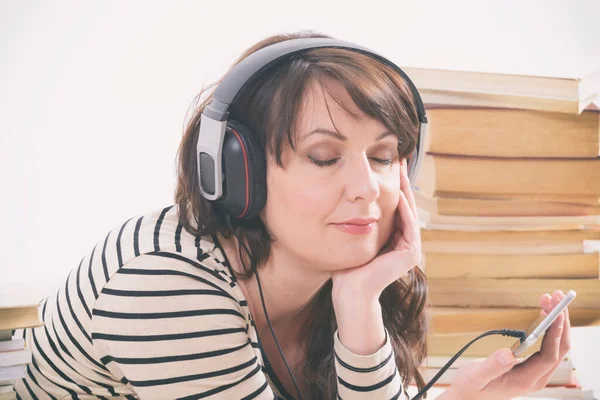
[{"x": 341, "y": 137}]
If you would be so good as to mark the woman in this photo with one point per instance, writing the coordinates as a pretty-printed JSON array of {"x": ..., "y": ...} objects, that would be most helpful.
[{"x": 168, "y": 304}]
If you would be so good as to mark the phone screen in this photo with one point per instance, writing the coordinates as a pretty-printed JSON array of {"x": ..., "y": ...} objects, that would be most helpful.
[{"x": 539, "y": 326}]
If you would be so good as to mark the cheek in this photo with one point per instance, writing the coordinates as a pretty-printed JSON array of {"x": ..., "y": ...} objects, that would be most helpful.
[
  {"x": 303, "y": 201},
  {"x": 297, "y": 198}
]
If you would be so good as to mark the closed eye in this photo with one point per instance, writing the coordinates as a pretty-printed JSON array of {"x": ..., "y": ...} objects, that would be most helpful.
[{"x": 327, "y": 163}]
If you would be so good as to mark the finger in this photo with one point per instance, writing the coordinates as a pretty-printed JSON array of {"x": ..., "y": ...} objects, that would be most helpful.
[
  {"x": 410, "y": 226},
  {"x": 551, "y": 344},
  {"x": 542, "y": 362},
  {"x": 546, "y": 302},
  {"x": 566, "y": 339},
  {"x": 390, "y": 245},
  {"x": 496, "y": 365},
  {"x": 565, "y": 344},
  {"x": 397, "y": 228},
  {"x": 405, "y": 187},
  {"x": 563, "y": 350},
  {"x": 552, "y": 337},
  {"x": 554, "y": 300}
]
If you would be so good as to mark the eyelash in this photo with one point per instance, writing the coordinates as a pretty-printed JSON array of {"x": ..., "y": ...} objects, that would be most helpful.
[{"x": 328, "y": 163}]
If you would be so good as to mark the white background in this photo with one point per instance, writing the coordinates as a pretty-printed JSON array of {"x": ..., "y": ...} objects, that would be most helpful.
[{"x": 93, "y": 97}]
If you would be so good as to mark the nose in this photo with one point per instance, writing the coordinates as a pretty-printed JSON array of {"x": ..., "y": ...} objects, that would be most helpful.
[{"x": 361, "y": 180}]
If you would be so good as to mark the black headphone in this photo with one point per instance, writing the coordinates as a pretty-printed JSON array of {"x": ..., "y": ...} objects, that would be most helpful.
[{"x": 231, "y": 162}]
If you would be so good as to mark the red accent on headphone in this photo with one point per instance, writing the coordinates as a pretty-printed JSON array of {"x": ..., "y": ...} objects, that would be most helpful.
[{"x": 246, "y": 169}]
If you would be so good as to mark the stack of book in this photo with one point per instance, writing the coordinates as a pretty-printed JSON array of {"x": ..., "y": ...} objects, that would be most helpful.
[
  {"x": 509, "y": 204},
  {"x": 15, "y": 353}
]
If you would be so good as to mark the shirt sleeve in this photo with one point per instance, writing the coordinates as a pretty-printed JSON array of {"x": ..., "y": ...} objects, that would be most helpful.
[
  {"x": 168, "y": 329},
  {"x": 373, "y": 376}
]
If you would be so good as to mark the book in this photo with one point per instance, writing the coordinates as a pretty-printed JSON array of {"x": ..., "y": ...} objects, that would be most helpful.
[
  {"x": 478, "y": 89},
  {"x": 484, "y": 207},
  {"x": 514, "y": 248},
  {"x": 16, "y": 343},
  {"x": 592, "y": 200},
  {"x": 427, "y": 219},
  {"x": 550, "y": 266},
  {"x": 434, "y": 361},
  {"x": 541, "y": 235},
  {"x": 483, "y": 175},
  {"x": 6, "y": 388},
  {"x": 558, "y": 392},
  {"x": 561, "y": 376},
  {"x": 12, "y": 372},
  {"x": 448, "y": 344},
  {"x": 20, "y": 316},
  {"x": 482, "y": 319},
  {"x": 15, "y": 357},
  {"x": 499, "y": 227},
  {"x": 8, "y": 396},
  {"x": 512, "y": 133},
  {"x": 548, "y": 393},
  {"x": 484, "y": 292}
]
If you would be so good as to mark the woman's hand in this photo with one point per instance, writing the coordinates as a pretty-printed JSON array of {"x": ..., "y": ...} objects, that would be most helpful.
[
  {"x": 399, "y": 255},
  {"x": 490, "y": 379},
  {"x": 355, "y": 292}
]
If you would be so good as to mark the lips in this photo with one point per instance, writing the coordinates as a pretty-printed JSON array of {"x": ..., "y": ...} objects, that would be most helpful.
[
  {"x": 357, "y": 226},
  {"x": 358, "y": 221}
]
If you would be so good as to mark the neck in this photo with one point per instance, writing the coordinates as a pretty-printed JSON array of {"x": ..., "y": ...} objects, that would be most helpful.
[{"x": 289, "y": 285}]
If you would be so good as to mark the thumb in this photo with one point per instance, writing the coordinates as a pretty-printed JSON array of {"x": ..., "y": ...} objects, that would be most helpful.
[{"x": 500, "y": 362}]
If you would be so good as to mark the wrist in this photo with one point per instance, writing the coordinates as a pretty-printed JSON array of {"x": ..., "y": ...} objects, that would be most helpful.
[
  {"x": 352, "y": 295},
  {"x": 354, "y": 306},
  {"x": 360, "y": 324}
]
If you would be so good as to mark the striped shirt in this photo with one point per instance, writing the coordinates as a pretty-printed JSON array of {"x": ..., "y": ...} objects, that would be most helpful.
[{"x": 153, "y": 312}]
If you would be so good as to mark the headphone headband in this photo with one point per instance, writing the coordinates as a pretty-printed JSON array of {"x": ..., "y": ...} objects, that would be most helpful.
[
  {"x": 243, "y": 73},
  {"x": 213, "y": 121}
]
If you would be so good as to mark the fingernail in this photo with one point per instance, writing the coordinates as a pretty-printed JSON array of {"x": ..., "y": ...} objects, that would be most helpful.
[{"x": 506, "y": 358}]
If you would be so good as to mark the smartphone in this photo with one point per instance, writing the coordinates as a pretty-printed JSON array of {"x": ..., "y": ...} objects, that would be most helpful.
[{"x": 540, "y": 325}]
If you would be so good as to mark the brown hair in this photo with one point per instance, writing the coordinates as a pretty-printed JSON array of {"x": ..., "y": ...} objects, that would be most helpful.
[{"x": 269, "y": 106}]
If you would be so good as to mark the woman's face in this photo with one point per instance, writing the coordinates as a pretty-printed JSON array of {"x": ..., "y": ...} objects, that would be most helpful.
[{"x": 360, "y": 179}]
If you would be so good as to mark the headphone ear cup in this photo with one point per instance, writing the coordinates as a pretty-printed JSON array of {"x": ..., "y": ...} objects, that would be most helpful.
[{"x": 244, "y": 169}]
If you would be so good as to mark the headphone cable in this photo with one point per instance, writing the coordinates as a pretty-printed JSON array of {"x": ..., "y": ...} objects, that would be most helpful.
[
  {"x": 255, "y": 269},
  {"x": 504, "y": 332}
]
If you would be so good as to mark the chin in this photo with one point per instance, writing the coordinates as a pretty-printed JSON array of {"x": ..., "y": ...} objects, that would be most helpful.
[
  {"x": 350, "y": 251},
  {"x": 355, "y": 256}
]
